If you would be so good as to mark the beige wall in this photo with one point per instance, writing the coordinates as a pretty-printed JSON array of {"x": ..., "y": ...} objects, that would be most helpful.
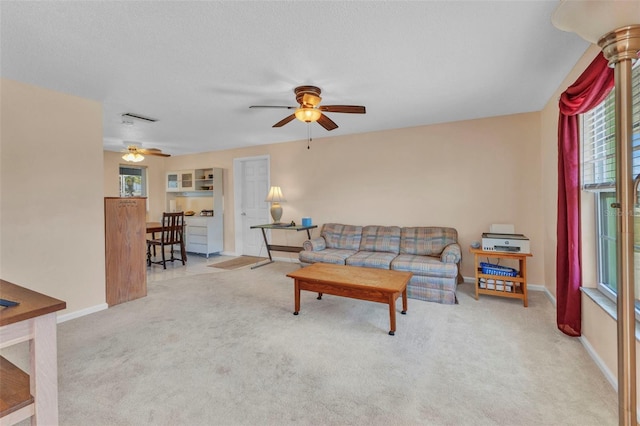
[
  {"x": 51, "y": 205},
  {"x": 465, "y": 174}
]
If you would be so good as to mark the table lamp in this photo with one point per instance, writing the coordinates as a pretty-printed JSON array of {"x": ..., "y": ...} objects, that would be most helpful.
[{"x": 275, "y": 197}]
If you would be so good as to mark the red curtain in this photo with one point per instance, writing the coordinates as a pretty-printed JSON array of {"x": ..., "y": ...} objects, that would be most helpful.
[{"x": 587, "y": 92}]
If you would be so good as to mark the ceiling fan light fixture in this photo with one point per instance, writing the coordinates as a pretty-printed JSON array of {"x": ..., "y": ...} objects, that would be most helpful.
[
  {"x": 308, "y": 115},
  {"x": 133, "y": 157}
]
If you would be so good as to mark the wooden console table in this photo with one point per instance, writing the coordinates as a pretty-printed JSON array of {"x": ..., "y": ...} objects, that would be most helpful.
[
  {"x": 290, "y": 249},
  {"x": 518, "y": 287},
  {"x": 35, "y": 394}
]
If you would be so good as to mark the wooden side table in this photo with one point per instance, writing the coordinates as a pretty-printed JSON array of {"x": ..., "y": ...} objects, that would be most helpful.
[
  {"x": 518, "y": 287},
  {"x": 35, "y": 394}
]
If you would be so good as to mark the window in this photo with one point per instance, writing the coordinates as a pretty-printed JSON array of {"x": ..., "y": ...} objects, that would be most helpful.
[
  {"x": 133, "y": 181},
  {"x": 598, "y": 176}
]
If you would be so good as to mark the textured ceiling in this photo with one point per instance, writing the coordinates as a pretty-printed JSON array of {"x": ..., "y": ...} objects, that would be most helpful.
[{"x": 198, "y": 66}]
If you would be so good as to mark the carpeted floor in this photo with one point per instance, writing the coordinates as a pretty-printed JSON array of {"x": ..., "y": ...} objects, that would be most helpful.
[
  {"x": 224, "y": 349},
  {"x": 238, "y": 262}
]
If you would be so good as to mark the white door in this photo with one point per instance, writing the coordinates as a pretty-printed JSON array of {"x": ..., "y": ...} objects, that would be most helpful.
[{"x": 253, "y": 185}]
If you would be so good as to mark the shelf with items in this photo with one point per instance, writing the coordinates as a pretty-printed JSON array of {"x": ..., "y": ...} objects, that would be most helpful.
[
  {"x": 204, "y": 179},
  {"x": 501, "y": 283}
]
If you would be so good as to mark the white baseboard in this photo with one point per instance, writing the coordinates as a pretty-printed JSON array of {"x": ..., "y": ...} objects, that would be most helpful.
[
  {"x": 613, "y": 380},
  {"x": 82, "y": 312}
]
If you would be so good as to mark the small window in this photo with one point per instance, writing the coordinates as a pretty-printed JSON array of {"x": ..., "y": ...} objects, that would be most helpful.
[{"x": 133, "y": 181}]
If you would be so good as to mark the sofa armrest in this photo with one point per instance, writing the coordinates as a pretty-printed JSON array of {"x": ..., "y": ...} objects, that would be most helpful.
[
  {"x": 451, "y": 253},
  {"x": 315, "y": 244}
]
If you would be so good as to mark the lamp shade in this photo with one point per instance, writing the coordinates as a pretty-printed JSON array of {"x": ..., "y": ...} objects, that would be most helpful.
[
  {"x": 308, "y": 114},
  {"x": 133, "y": 157},
  {"x": 275, "y": 195},
  {"x": 593, "y": 19}
]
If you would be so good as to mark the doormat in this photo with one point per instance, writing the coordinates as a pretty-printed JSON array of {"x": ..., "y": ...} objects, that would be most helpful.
[{"x": 238, "y": 262}]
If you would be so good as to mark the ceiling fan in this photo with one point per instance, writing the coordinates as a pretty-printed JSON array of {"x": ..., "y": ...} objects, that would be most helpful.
[
  {"x": 135, "y": 154},
  {"x": 310, "y": 110}
]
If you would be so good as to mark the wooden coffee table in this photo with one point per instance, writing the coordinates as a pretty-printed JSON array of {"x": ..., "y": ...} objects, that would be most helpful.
[{"x": 375, "y": 285}]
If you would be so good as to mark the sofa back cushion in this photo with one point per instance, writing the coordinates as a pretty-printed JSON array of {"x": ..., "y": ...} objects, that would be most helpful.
[
  {"x": 426, "y": 240},
  {"x": 341, "y": 236},
  {"x": 381, "y": 239}
]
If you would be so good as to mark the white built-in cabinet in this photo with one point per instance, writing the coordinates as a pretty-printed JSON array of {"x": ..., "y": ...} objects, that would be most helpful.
[
  {"x": 200, "y": 191},
  {"x": 181, "y": 181}
]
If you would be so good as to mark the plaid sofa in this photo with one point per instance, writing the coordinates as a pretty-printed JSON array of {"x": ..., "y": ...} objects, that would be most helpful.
[{"x": 432, "y": 254}]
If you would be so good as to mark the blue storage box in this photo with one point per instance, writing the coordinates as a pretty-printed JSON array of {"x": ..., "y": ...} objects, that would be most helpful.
[{"x": 491, "y": 269}]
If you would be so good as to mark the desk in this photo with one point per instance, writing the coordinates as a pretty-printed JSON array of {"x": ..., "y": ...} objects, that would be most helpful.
[
  {"x": 34, "y": 320},
  {"x": 289, "y": 249}
]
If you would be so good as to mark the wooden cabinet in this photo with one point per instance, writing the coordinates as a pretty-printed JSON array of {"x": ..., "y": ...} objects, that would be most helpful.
[
  {"x": 125, "y": 248},
  {"x": 182, "y": 180},
  {"x": 498, "y": 285}
]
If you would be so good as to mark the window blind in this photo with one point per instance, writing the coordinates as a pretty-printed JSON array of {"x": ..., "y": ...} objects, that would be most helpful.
[{"x": 598, "y": 140}]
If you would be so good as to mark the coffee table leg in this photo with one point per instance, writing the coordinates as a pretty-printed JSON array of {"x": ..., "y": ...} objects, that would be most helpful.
[
  {"x": 404, "y": 302},
  {"x": 392, "y": 314},
  {"x": 319, "y": 296},
  {"x": 296, "y": 292}
]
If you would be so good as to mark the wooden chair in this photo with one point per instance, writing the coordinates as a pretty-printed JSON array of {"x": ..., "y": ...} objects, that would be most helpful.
[{"x": 172, "y": 234}]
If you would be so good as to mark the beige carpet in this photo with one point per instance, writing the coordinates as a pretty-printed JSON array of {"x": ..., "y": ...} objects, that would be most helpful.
[
  {"x": 238, "y": 262},
  {"x": 225, "y": 349}
]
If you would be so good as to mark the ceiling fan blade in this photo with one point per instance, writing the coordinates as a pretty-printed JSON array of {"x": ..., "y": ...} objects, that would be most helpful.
[
  {"x": 284, "y": 120},
  {"x": 272, "y": 106},
  {"x": 152, "y": 151},
  {"x": 327, "y": 123},
  {"x": 350, "y": 109}
]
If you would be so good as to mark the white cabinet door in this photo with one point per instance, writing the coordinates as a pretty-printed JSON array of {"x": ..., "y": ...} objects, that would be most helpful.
[
  {"x": 186, "y": 182},
  {"x": 173, "y": 181},
  {"x": 180, "y": 181}
]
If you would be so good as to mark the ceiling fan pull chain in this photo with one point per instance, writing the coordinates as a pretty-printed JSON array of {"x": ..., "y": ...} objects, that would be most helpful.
[{"x": 308, "y": 135}]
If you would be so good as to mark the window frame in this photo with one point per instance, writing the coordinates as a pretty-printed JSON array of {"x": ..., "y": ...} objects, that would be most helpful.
[
  {"x": 144, "y": 181},
  {"x": 597, "y": 185}
]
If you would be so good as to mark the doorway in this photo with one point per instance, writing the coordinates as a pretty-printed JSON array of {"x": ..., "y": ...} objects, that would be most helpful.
[{"x": 251, "y": 176}]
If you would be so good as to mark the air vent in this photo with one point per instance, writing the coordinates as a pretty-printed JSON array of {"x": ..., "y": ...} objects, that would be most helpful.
[{"x": 138, "y": 117}]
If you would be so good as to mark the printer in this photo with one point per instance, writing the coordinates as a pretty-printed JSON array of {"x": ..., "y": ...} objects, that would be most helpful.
[{"x": 506, "y": 243}]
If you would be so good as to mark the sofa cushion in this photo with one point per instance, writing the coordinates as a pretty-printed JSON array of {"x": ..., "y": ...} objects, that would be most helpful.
[
  {"x": 336, "y": 256},
  {"x": 380, "y": 239},
  {"x": 426, "y": 240},
  {"x": 342, "y": 236},
  {"x": 371, "y": 259},
  {"x": 424, "y": 265}
]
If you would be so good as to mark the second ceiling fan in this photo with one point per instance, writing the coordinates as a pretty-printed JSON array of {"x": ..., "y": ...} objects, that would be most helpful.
[{"x": 310, "y": 110}]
